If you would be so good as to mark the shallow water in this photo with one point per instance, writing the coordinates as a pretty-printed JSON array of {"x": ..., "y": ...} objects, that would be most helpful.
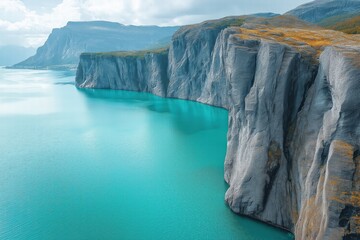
[{"x": 101, "y": 164}]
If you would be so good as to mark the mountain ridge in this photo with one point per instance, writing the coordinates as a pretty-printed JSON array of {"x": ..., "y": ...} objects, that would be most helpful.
[
  {"x": 319, "y": 10},
  {"x": 64, "y": 45}
]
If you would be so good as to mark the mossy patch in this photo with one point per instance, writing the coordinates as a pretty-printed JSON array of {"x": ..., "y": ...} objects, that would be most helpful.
[
  {"x": 135, "y": 54},
  {"x": 348, "y": 23},
  {"x": 302, "y": 39},
  {"x": 231, "y": 22}
]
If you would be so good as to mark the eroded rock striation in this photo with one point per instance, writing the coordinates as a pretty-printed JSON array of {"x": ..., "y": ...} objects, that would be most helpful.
[{"x": 294, "y": 121}]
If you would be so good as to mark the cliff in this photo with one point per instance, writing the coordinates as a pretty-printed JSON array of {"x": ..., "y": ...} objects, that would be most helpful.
[
  {"x": 64, "y": 45},
  {"x": 137, "y": 71},
  {"x": 294, "y": 135}
]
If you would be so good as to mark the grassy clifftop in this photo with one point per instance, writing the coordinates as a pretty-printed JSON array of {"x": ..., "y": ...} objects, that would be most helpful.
[
  {"x": 347, "y": 23},
  {"x": 351, "y": 26},
  {"x": 307, "y": 38},
  {"x": 310, "y": 40},
  {"x": 136, "y": 54},
  {"x": 300, "y": 38}
]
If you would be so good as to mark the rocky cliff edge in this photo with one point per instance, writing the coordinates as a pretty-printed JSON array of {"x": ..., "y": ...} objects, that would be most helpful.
[{"x": 293, "y": 95}]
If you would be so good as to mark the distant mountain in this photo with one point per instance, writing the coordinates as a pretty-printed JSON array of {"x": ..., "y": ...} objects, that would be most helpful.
[
  {"x": 64, "y": 45},
  {"x": 320, "y": 10},
  {"x": 10, "y": 55}
]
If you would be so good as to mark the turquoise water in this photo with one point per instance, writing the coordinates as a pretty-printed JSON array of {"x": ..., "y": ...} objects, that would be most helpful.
[{"x": 100, "y": 164}]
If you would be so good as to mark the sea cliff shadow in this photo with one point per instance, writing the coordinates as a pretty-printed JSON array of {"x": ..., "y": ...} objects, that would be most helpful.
[{"x": 186, "y": 116}]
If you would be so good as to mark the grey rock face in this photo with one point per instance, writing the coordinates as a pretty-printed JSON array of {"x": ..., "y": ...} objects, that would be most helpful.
[
  {"x": 64, "y": 45},
  {"x": 146, "y": 74},
  {"x": 326, "y": 144},
  {"x": 318, "y": 10},
  {"x": 294, "y": 137},
  {"x": 187, "y": 75},
  {"x": 264, "y": 117}
]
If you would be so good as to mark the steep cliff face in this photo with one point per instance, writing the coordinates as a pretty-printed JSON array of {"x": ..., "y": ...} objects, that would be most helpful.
[
  {"x": 326, "y": 146},
  {"x": 294, "y": 136},
  {"x": 145, "y": 73},
  {"x": 257, "y": 165}
]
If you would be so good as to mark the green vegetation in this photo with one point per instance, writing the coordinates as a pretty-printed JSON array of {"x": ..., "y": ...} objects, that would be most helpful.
[
  {"x": 136, "y": 54},
  {"x": 309, "y": 42},
  {"x": 217, "y": 24},
  {"x": 351, "y": 26},
  {"x": 330, "y": 21},
  {"x": 346, "y": 23},
  {"x": 227, "y": 22}
]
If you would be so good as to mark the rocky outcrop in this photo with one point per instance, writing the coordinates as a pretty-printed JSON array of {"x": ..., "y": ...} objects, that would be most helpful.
[
  {"x": 146, "y": 73},
  {"x": 326, "y": 144},
  {"x": 64, "y": 45},
  {"x": 294, "y": 137}
]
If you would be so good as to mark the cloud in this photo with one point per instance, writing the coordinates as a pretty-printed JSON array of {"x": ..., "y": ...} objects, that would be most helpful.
[
  {"x": 28, "y": 25},
  {"x": 22, "y": 26}
]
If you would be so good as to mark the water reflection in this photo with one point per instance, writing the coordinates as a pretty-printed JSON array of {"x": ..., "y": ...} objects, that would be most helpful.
[
  {"x": 65, "y": 83},
  {"x": 187, "y": 117},
  {"x": 20, "y": 96},
  {"x": 112, "y": 165}
]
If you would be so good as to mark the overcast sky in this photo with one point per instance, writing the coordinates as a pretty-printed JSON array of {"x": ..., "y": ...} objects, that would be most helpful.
[{"x": 29, "y": 22}]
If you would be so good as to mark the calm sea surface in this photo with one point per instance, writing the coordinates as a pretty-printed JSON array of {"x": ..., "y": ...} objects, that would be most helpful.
[{"x": 101, "y": 164}]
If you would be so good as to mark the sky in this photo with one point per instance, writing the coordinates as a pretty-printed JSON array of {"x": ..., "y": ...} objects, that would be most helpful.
[{"x": 29, "y": 22}]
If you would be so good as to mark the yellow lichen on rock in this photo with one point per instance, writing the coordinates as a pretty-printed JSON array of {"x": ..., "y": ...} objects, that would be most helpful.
[
  {"x": 344, "y": 148},
  {"x": 299, "y": 38}
]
